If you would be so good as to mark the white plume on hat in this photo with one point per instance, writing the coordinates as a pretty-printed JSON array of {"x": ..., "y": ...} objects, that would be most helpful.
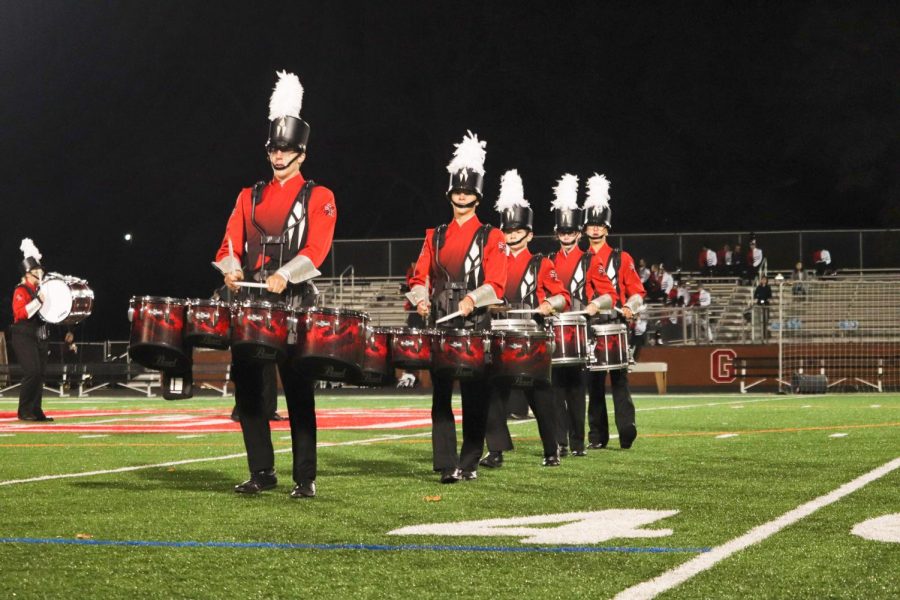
[
  {"x": 29, "y": 250},
  {"x": 566, "y": 192},
  {"x": 511, "y": 191},
  {"x": 597, "y": 192},
  {"x": 287, "y": 98},
  {"x": 469, "y": 154}
]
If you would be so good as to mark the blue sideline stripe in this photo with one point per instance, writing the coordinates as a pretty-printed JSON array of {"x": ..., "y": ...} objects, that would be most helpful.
[{"x": 276, "y": 546}]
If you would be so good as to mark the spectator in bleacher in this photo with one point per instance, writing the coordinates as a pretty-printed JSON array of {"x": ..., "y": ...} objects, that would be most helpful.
[
  {"x": 739, "y": 263},
  {"x": 666, "y": 283},
  {"x": 652, "y": 286},
  {"x": 638, "y": 337},
  {"x": 702, "y": 299},
  {"x": 762, "y": 296},
  {"x": 724, "y": 260},
  {"x": 798, "y": 277},
  {"x": 707, "y": 260},
  {"x": 643, "y": 271},
  {"x": 28, "y": 334},
  {"x": 822, "y": 262},
  {"x": 754, "y": 260}
]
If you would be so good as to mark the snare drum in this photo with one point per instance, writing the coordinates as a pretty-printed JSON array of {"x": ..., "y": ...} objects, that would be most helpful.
[
  {"x": 570, "y": 339},
  {"x": 67, "y": 300},
  {"x": 610, "y": 347},
  {"x": 458, "y": 353},
  {"x": 208, "y": 324},
  {"x": 376, "y": 368},
  {"x": 260, "y": 330},
  {"x": 331, "y": 343},
  {"x": 411, "y": 348},
  {"x": 520, "y": 358},
  {"x": 157, "y": 326}
]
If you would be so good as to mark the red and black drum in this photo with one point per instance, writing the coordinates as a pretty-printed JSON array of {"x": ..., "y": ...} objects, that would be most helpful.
[
  {"x": 331, "y": 343},
  {"x": 259, "y": 331},
  {"x": 520, "y": 353},
  {"x": 610, "y": 347},
  {"x": 570, "y": 338},
  {"x": 377, "y": 369},
  {"x": 207, "y": 324},
  {"x": 157, "y": 333},
  {"x": 458, "y": 353},
  {"x": 411, "y": 348}
]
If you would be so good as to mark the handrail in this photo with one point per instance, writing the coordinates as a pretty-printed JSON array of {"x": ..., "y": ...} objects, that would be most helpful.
[{"x": 352, "y": 282}]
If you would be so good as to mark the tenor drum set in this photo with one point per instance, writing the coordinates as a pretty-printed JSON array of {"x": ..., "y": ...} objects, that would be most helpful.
[{"x": 338, "y": 344}]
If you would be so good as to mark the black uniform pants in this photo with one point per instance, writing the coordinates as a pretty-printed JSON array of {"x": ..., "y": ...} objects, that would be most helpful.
[
  {"x": 540, "y": 399},
  {"x": 269, "y": 392},
  {"x": 598, "y": 419},
  {"x": 568, "y": 396},
  {"x": 475, "y": 398},
  {"x": 249, "y": 384},
  {"x": 32, "y": 356}
]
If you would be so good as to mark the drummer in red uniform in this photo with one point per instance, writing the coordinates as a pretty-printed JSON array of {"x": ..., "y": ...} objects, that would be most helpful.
[
  {"x": 531, "y": 283},
  {"x": 28, "y": 334},
  {"x": 619, "y": 267},
  {"x": 465, "y": 264},
  {"x": 279, "y": 233},
  {"x": 572, "y": 266}
]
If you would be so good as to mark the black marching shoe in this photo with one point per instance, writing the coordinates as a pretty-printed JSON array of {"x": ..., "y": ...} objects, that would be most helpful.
[
  {"x": 551, "y": 461},
  {"x": 563, "y": 451},
  {"x": 492, "y": 460},
  {"x": 596, "y": 446},
  {"x": 277, "y": 417},
  {"x": 43, "y": 418},
  {"x": 627, "y": 437},
  {"x": 451, "y": 475},
  {"x": 259, "y": 481},
  {"x": 579, "y": 453},
  {"x": 305, "y": 489},
  {"x": 469, "y": 475}
]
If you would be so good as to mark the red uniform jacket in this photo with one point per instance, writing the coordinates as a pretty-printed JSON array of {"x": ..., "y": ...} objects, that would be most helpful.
[
  {"x": 548, "y": 283},
  {"x": 457, "y": 242},
  {"x": 21, "y": 299},
  {"x": 625, "y": 280},
  {"x": 272, "y": 213}
]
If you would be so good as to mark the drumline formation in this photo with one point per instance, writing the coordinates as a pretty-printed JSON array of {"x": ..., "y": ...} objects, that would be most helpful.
[{"x": 339, "y": 344}]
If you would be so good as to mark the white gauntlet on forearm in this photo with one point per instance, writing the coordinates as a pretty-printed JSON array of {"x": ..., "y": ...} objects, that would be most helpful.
[
  {"x": 298, "y": 269},
  {"x": 635, "y": 302},
  {"x": 417, "y": 294},
  {"x": 557, "y": 302},
  {"x": 32, "y": 307},
  {"x": 604, "y": 302},
  {"x": 227, "y": 265},
  {"x": 484, "y": 295}
]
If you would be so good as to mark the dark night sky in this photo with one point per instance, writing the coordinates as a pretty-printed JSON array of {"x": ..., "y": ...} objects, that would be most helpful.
[{"x": 148, "y": 117}]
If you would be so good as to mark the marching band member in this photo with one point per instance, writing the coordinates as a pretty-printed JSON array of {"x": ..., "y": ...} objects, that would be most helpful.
[
  {"x": 292, "y": 218},
  {"x": 619, "y": 268},
  {"x": 531, "y": 282},
  {"x": 465, "y": 264},
  {"x": 28, "y": 334}
]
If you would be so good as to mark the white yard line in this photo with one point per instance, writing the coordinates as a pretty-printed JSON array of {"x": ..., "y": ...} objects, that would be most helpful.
[
  {"x": 675, "y": 577},
  {"x": 189, "y": 461}
]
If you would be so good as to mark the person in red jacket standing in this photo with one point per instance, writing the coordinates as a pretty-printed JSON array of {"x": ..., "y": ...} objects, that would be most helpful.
[
  {"x": 279, "y": 234},
  {"x": 28, "y": 334},
  {"x": 619, "y": 268},
  {"x": 462, "y": 267},
  {"x": 531, "y": 283}
]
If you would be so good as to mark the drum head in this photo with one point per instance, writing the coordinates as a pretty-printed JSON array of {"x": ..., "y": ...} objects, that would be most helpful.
[
  {"x": 514, "y": 325},
  {"x": 57, "y": 301}
]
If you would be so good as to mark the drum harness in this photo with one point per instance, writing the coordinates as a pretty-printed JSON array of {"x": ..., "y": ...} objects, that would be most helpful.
[
  {"x": 448, "y": 293},
  {"x": 302, "y": 294}
]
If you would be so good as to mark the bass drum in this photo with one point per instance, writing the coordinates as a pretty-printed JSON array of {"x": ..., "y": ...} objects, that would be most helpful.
[
  {"x": 67, "y": 300},
  {"x": 157, "y": 327}
]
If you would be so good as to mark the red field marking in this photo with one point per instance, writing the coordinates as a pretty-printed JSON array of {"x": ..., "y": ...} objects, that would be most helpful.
[{"x": 206, "y": 421}]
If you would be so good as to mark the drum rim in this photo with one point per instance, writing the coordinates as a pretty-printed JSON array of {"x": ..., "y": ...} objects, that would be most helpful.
[
  {"x": 207, "y": 302},
  {"x": 609, "y": 328},
  {"x": 329, "y": 310},
  {"x": 263, "y": 304},
  {"x": 564, "y": 319},
  {"x": 462, "y": 332},
  {"x": 165, "y": 299},
  {"x": 413, "y": 331},
  {"x": 542, "y": 333},
  {"x": 521, "y": 322}
]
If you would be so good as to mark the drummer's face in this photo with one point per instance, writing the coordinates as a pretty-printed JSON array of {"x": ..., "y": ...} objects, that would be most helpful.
[
  {"x": 567, "y": 238},
  {"x": 35, "y": 275},
  {"x": 282, "y": 165},
  {"x": 516, "y": 237}
]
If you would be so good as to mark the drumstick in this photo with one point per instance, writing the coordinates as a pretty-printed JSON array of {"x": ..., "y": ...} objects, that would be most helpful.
[
  {"x": 525, "y": 310},
  {"x": 575, "y": 312},
  {"x": 251, "y": 284},
  {"x": 448, "y": 317}
]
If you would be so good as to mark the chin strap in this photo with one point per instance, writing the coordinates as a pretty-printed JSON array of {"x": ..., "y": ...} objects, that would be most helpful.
[
  {"x": 292, "y": 161},
  {"x": 469, "y": 205}
]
